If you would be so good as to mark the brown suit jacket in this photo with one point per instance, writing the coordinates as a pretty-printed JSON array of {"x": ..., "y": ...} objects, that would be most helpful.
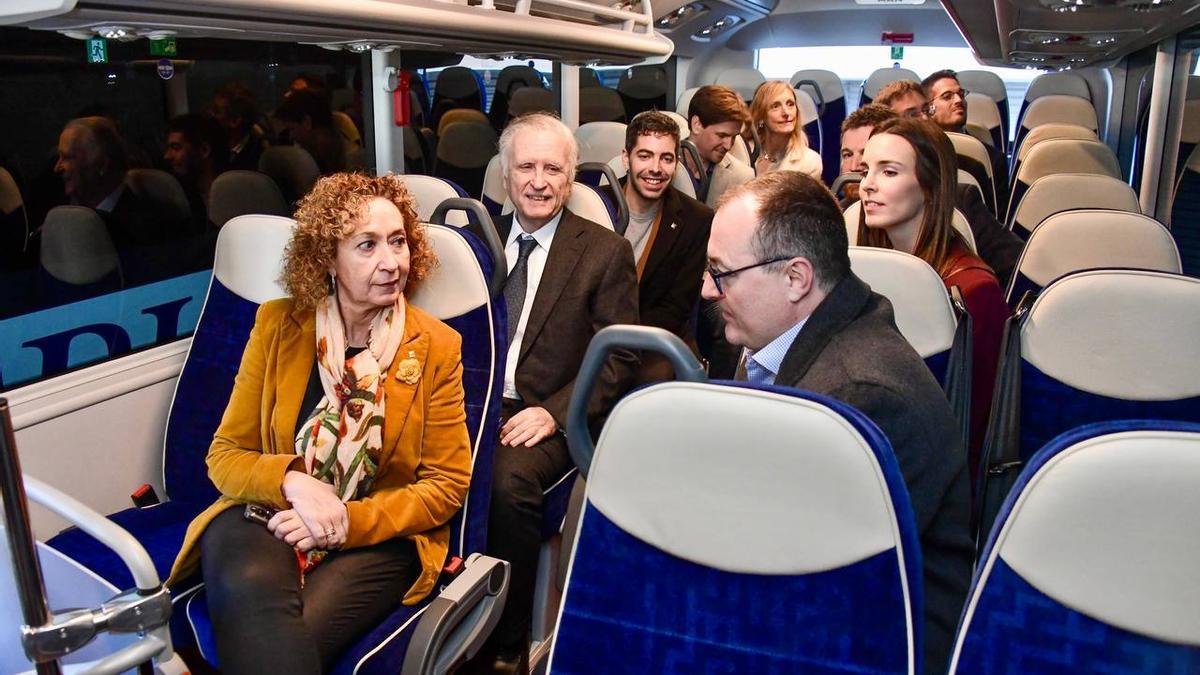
[
  {"x": 589, "y": 282},
  {"x": 425, "y": 463}
]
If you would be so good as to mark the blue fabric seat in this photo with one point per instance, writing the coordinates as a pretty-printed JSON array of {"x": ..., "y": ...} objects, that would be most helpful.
[
  {"x": 239, "y": 285},
  {"x": 1093, "y": 346},
  {"x": 1087, "y": 568},
  {"x": 456, "y": 293},
  {"x": 744, "y": 561},
  {"x": 832, "y": 110}
]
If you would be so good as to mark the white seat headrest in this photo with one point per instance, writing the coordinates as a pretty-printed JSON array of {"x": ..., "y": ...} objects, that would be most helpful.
[
  {"x": 982, "y": 110},
  {"x": 742, "y": 80},
  {"x": 1049, "y": 84},
  {"x": 1118, "y": 333},
  {"x": 1109, "y": 513},
  {"x": 493, "y": 180},
  {"x": 1060, "y": 108},
  {"x": 600, "y": 141},
  {"x": 959, "y": 223},
  {"x": 924, "y": 314},
  {"x": 457, "y": 285},
  {"x": 985, "y": 82},
  {"x": 428, "y": 192},
  {"x": 585, "y": 201},
  {"x": 1068, "y": 191},
  {"x": 882, "y": 77},
  {"x": 1068, "y": 155},
  {"x": 250, "y": 254},
  {"x": 804, "y": 490},
  {"x": 1044, "y": 132}
]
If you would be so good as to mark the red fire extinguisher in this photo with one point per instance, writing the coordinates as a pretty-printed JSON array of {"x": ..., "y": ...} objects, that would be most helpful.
[{"x": 401, "y": 101}]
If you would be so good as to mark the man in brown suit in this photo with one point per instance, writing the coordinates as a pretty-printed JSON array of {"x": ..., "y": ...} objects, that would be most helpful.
[{"x": 568, "y": 278}]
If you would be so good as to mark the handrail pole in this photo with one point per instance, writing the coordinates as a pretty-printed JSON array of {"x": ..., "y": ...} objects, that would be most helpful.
[{"x": 31, "y": 589}]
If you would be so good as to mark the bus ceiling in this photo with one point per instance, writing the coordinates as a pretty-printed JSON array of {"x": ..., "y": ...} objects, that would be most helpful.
[{"x": 570, "y": 31}]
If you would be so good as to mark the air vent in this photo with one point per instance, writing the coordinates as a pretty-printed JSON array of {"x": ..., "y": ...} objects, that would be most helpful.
[{"x": 1099, "y": 5}]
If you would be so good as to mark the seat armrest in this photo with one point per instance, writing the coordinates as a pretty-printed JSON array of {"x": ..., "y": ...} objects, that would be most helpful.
[{"x": 458, "y": 621}]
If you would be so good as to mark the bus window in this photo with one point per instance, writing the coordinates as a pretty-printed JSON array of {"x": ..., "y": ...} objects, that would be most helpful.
[{"x": 107, "y": 240}]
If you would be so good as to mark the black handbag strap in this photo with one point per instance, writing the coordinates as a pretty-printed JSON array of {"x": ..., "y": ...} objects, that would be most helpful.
[{"x": 957, "y": 380}]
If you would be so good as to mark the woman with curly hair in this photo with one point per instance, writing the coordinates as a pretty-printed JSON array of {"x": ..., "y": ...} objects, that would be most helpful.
[{"x": 345, "y": 430}]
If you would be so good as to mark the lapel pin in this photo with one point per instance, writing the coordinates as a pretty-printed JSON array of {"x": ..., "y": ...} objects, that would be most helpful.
[{"x": 409, "y": 371}]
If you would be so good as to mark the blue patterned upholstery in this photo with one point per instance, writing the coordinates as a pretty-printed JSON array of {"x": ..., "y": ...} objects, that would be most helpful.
[
  {"x": 671, "y": 614},
  {"x": 1057, "y": 639},
  {"x": 200, "y": 396},
  {"x": 555, "y": 502},
  {"x": 1011, "y": 625},
  {"x": 1050, "y": 407},
  {"x": 483, "y": 331}
]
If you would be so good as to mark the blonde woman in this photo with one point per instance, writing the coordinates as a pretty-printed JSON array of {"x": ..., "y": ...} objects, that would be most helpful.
[{"x": 784, "y": 146}]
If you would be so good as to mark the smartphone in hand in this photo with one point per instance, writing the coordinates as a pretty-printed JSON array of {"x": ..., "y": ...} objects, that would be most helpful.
[{"x": 258, "y": 514}]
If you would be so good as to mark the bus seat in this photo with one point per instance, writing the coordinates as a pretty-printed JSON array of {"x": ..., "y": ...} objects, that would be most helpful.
[
  {"x": 429, "y": 191},
  {"x": 973, "y": 158},
  {"x": 685, "y": 129},
  {"x": 643, "y": 88},
  {"x": 680, "y": 180},
  {"x": 600, "y": 104},
  {"x": 415, "y": 148},
  {"x": 745, "y": 81},
  {"x": 457, "y": 293},
  {"x": 1088, "y": 239},
  {"x": 1093, "y": 346},
  {"x": 979, "y": 132},
  {"x": 511, "y": 80},
  {"x": 457, "y": 115},
  {"x": 239, "y": 193},
  {"x": 586, "y": 201},
  {"x": 880, "y": 78},
  {"x": 600, "y": 141},
  {"x": 810, "y": 120},
  {"x": 761, "y": 545},
  {"x": 959, "y": 223},
  {"x": 965, "y": 178},
  {"x": 588, "y": 78},
  {"x": 986, "y": 83},
  {"x": 984, "y": 112},
  {"x": 292, "y": 168},
  {"x": 14, "y": 238},
  {"x": 493, "y": 194},
  {"x": 924, "y": 314},
  {"x": 1053, "y": 84},
  {"x": 833, "y": 98},
  {"x": 1060, "y": 155},
  {"x": 463, "y": 152},
  {"x": 685, "y": 101},
  {"x": 456, "y": 87},
  {"x": 1059, "y": 192},
  {"x": 531, "y": 99},
  {"x": 1056, "y": 109},
  {"x": 77, "y": 258},
  {"x": 1185, "y": 214},
  {"x": 162, "y": 190},
  {"x": 1047, "y": 131},
  {"x": 246, "y": 270},
  {"x": 1087, "y": 568}
]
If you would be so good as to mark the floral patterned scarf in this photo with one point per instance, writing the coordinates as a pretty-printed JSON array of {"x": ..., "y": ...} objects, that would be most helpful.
[{"x": 342, "y": 439}]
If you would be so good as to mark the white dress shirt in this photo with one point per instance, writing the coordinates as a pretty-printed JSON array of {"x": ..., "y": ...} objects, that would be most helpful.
[
  {"x": 770, "y": 358},
  {"x": 535, "y": 265}
]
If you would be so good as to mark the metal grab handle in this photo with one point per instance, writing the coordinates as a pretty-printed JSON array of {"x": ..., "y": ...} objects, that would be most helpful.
[
  {"x": 483, "y": 227},
  {"x": 622, "y": 205},
  {"x": 841, "y": 181},
  {"x": 687, "y": 369},
  {"x": 30, "y": 587},
  {"x": 818, "y": 97},
  {"x": 692, "y": 151}
]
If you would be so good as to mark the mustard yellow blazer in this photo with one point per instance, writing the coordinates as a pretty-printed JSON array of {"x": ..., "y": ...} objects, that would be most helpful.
[{"x": 425, "y": 462}]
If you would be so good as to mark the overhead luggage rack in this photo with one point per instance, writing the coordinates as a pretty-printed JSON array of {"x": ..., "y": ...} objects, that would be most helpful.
[{"x": 571, "y": 31}]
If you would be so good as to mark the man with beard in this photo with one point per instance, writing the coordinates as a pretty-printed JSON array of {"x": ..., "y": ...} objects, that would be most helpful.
[
  {"x": 948, "y": 108},
  {"x": 668, "y": 231},
  {"x": 196, "y": 154}
]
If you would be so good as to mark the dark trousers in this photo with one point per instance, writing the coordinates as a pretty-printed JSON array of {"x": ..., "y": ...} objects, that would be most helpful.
[
  {"x": 265, "y": 622},
  {"x": 519, "y": 477}
]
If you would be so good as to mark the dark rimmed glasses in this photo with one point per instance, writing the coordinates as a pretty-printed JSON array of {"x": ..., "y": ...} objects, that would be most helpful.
[{"x": 718, "y": 276}]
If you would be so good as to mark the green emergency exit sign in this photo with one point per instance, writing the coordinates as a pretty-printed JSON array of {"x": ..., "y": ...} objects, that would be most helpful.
[
  {"x": 897, "y": 53},
  {"x": 97, "y": 50},
  {"x": 163, "y": 47}
]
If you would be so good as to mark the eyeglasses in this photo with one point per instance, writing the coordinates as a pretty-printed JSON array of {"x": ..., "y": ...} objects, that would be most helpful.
[
  {"x": 718, "y": 276},
  {"x": 948, "y": 96}
]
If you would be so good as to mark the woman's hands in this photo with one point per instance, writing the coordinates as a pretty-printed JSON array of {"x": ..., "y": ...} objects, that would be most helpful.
[{"x": 317, "y": 518}]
